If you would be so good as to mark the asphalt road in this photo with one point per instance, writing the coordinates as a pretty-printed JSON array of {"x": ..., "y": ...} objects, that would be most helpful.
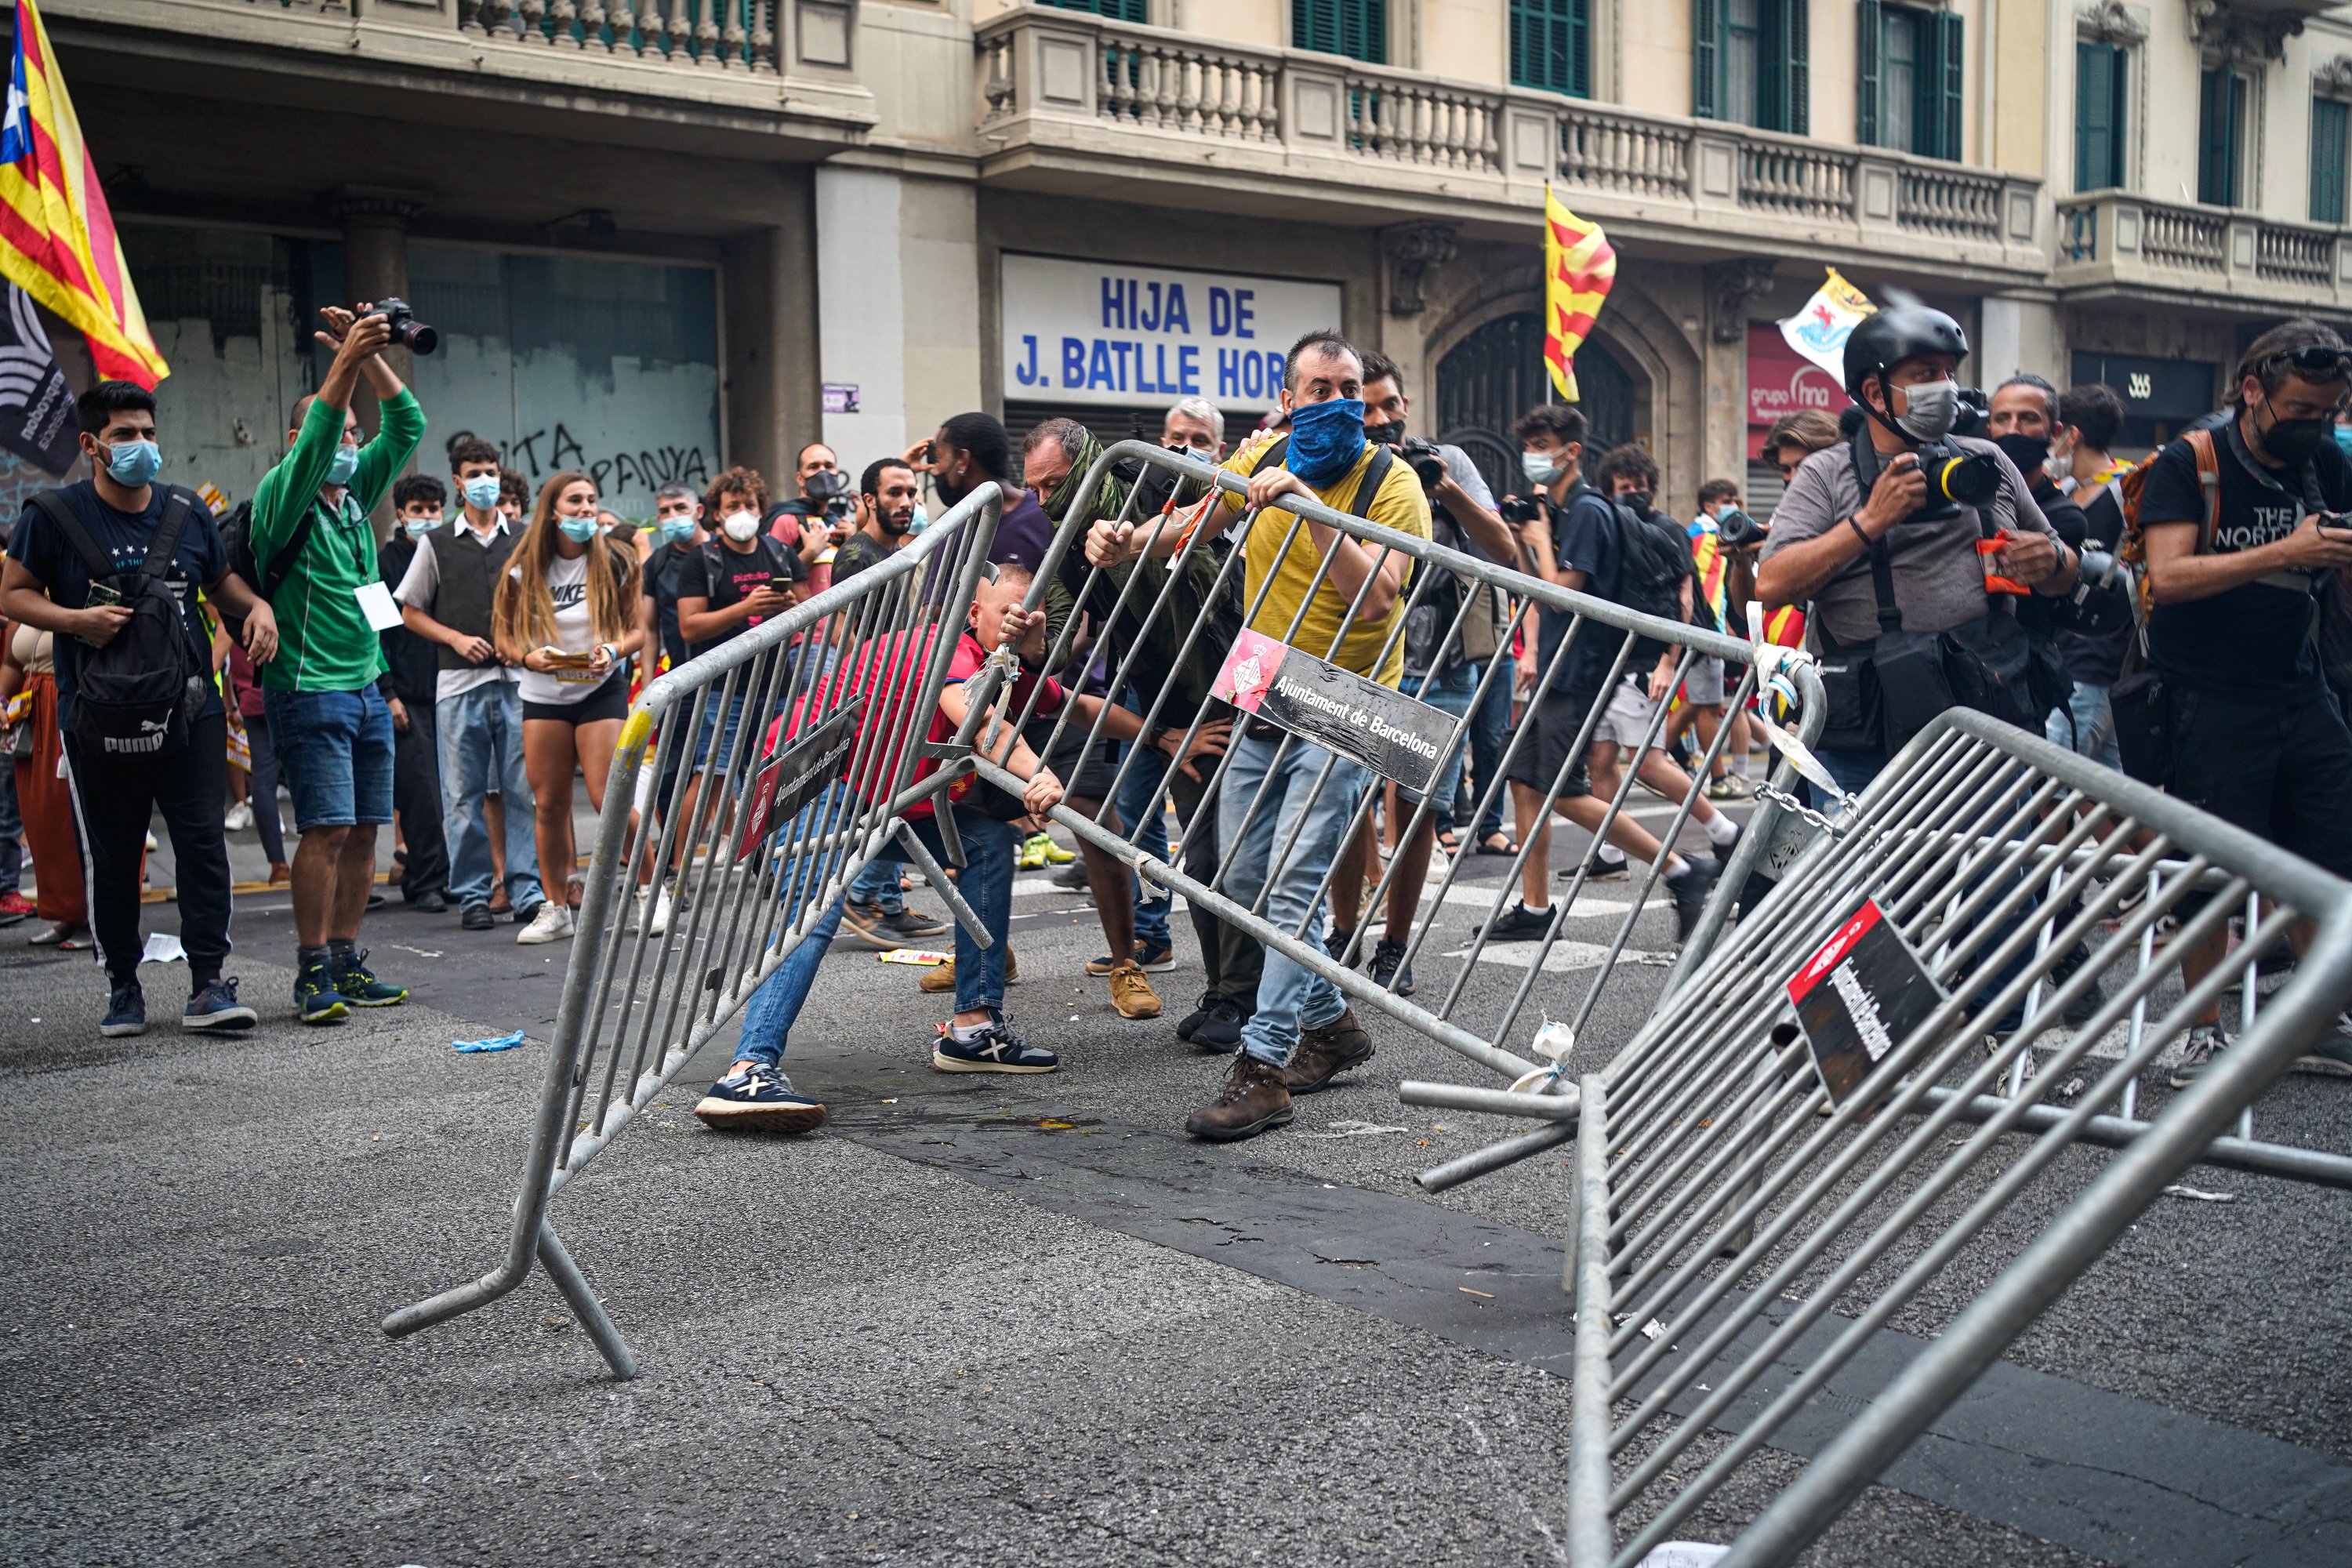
[{"x": 979, "y": 1321}]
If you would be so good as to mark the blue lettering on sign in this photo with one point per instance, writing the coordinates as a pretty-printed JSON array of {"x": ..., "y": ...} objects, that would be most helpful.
[
  {"x": 1221, "y": 313},
  {"x": 1244, "y": 315},
  {"x": 1027, "y": 372},
  {"x": 1098, "y": 368},
  {"x": 1177, "y": 319},
  {"x": 1073, "y": 362},
  {"x": 1114, "y": 301},
  {"x": 1188, "y": 369}
]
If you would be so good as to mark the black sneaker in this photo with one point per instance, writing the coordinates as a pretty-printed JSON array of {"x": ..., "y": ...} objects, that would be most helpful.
[
  {"x": 912, "y": 926},
  {"x": 1154, "y": 958},
  {"x": 1602, "y": 871},
  {"x": 1335, "y": 944},
  {"x": 477, "y": 917},
  {"x": 356, "y": 986},
  {"x": 126, "y": 1012},
  {"x": 1072, "y": 877},
  {"x": 1519, "y": 923},
  {"x": 2205, "y": 1041},
  {"x": 759, "y": 1098},
  {"x": 1214, "y": 1027},
  {"x": 1723, "y": 851},
  {"x": 216, "y": 1006},
  {"x": 316, "y": 1000},
  {"x": 429, "y": 904},
  {"x": 996, "y": 1048},
  {"x": 1389, "y": 971},
  {"x": 1689, "y": 893}
]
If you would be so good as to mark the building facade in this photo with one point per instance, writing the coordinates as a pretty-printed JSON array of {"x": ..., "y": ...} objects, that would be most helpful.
[{"x": 662, "y": 236}]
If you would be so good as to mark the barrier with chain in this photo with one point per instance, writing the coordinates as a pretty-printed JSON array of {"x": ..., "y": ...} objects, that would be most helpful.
[
  {"x": 1225, "y": 636},
  {"x": 751, "y": 786},
  {"x": 1838, "y": 1105}
]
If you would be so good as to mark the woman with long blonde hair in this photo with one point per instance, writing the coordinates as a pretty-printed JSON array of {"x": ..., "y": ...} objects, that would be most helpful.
[{"x": 567, "y": 613}]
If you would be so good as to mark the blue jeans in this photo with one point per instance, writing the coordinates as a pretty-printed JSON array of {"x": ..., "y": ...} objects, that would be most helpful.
[
  {"x": 1140, "y": 801},
  {"x": 877, "y": 885},
  {"x": 1853, "y": 768},
  {"x": 1490, "y": 732},
  {"x": 1289, "y": 997},
  {"x": 1450, "y": 694},
  {"x": 336, "y": 750},
  {"x": 775, "y": 1006},
  {"x": 2086, "y": 725},
  {"x": 481, "y": 754}
]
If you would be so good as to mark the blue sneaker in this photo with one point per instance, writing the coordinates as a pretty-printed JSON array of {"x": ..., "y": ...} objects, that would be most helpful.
[
  {"x": 126, "y": 1012},
  {"x": 316, "y": 1000},
  {"x": 356, "y": 986},
  {"x": 759, "y": 1098},
  {"x": 996, "y": 1048},
  {"x": 216, "y": 1006}
]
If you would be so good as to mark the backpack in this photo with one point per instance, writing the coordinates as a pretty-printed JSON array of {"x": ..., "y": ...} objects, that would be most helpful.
[
  {"x": 236, "y": 534},
  {"x": 1654, "y": 559},
  {"x": 137, "y": 695},
  {"x": 2131, "y": 485}
]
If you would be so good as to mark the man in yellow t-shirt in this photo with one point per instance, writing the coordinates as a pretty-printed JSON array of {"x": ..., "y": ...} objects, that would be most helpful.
[{"x": 1303, "y": 1033}]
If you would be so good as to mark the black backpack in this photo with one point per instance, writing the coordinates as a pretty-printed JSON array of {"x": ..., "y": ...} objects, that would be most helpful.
[
  {"x": 137, "y": 695},
  {"x": 237, "y": 535},
  {"x": 1654, "y": 557}
]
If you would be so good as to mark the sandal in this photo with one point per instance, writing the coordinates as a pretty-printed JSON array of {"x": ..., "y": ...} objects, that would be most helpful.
[
  {"x": 1509, "y": 846},
  {"x": 1449, "y": 843}
]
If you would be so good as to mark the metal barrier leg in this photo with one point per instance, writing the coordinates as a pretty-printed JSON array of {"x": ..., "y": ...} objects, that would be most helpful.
[
  {"x": 905, "y": 834},
  {"x": 582, "y": 1298}
]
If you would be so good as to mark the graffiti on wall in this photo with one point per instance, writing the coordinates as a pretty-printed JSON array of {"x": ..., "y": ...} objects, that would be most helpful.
[{"x": 555, "y": 449}]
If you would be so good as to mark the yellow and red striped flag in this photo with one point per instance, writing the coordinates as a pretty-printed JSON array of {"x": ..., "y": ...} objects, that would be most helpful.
[
  {"x": 57, "y": 238},
  {"x": 1579, "y": 267}
]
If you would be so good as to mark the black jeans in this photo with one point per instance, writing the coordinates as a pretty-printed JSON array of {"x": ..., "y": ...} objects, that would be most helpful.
[
  {"x": 416, "y": 801},
  {"x": 1233, "y": 959},
  {"x": 116, "y": 798}
]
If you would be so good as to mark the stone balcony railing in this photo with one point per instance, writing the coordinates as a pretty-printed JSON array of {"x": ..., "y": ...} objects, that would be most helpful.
[
  {"x": 2115, "y": 244},
  {"x": 1066, "y": 91},
  {"x": 790, "y": 57}
]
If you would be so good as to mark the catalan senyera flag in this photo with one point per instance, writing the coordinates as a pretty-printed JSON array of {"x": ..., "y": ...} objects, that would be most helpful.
[
  {"x": 1579, "y": 265},
  {"x": 57, "y": 238}
]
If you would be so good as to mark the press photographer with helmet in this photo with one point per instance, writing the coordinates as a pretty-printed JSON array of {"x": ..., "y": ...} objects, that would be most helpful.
[{"x": 1911, "y": 545}]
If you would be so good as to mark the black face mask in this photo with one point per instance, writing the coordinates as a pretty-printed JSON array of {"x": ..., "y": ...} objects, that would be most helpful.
[
  {"x": 1639, "y": 501},
  {"x": 2030, "y": 453},
  {"x": 2294, "y": 441},
  {"x": 1391, "y": 435}
]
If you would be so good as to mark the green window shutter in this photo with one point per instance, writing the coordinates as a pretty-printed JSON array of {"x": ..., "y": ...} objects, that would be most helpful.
[
  {"x": 1706, "y": 58},
  {"x": 1355, "y": 29},
  {"x": 1946, "y": 90},
  {"x": 2098, "y": 116},
  {"x": 2220, "y": 136},
  {"x": 1551, "y": 45},
  {"x": 1796, "y": 77},
  {"x": 1869, "y": 53},
  {"x": 2331, "y": 128},
  {"x": 1117, "y": 10}
]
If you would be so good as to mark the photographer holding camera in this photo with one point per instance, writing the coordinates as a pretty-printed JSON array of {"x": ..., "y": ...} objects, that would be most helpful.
[
  {"x": 821, "y": 516},
  {"x": 1911, "y": 543}
]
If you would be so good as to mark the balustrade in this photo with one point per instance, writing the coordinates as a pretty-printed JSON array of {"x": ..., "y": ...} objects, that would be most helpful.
[
  {"x": 1797, "y": 182},
  {"x": 1603, "y": 152},
  {"x": 1949, "y": 202},
  {"x": 709, "y": 35},
  {"x": 2295, "y": 256}
]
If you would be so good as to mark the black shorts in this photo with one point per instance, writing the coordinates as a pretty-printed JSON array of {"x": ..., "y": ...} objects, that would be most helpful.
[
  {"x": 1093, "y": 781},
  {"x": 2280, "y": 767},
  {"x": 609, "y": 700},
  {"x": 1548, "y": 734}
]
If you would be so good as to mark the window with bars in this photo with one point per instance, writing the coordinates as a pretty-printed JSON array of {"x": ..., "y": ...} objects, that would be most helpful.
[
  {"x": 1914, "y": 79},
  {"x": 1551, "y": 45},
  {"x": 2331, "y": 126},
  {"x": 2221, "y": 136},
  {"x": 2100, "y": 72},
  {"x": 1355, "y": 29},
  {"x": 1749, "y": 63}
]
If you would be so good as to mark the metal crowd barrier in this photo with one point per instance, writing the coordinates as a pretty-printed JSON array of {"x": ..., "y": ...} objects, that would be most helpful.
[
  {"x": 1742, "y": 1233},
  {"x": 745, "y": 847},
  {"x": 1492, "y": 1038}
]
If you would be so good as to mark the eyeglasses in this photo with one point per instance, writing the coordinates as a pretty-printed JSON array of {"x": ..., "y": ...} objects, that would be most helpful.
[{"x": 2317, "y": 361}]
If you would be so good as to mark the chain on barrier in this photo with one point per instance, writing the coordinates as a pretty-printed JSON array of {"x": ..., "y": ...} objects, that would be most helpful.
[
  {"x": 1838, "y": 1105},
  {"x": 1197, "y": 642},
  {"x": 781, "y": 764}
]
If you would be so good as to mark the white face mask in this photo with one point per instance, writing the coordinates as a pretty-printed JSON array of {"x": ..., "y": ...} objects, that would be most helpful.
[{"x": 742, "y": 527}]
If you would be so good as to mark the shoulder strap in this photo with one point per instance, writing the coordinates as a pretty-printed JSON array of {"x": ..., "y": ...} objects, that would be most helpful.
[
  {"x": 1375, "y": 474},
  {"x": 1882, "y": 583},
  {"x": 1272, "y": 457},
  {"x": 282, "y": 564},
  {"x": 2208, "y": 453},
  {"x": 58, "y": 510},
  {"x": 177, "y": 505},
  {"x": 712, "y": 568}
]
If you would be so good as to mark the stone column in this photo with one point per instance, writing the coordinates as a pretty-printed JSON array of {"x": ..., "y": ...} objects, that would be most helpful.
[
  {"x": 770, "y": 355},
  {"x": 2016, "y": 332},
  {"x": 1731, "y": 286},
  {"x": 898, "y": 315}
]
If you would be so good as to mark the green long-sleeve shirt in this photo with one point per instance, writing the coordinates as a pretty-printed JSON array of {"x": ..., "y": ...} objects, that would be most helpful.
[{"x": 325, "y": 641}]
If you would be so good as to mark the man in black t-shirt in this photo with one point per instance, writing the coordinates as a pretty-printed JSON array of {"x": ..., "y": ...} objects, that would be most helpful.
[
  {"x": 2089, "y": 418},
  {"x": 677, "y": 536},
  {"x": 2257, "y": 739}
]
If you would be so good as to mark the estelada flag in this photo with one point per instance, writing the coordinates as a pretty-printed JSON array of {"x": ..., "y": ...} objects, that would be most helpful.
[
  {"x": 57, "y": 238},
  {"x": 1578, "y": 267}
]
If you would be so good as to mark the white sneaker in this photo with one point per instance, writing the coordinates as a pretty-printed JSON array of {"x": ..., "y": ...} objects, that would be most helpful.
[
  {"x": 238, "y": 818},
  {"x": 552, "y": 924},
  {"x": 660, "y": 923}
]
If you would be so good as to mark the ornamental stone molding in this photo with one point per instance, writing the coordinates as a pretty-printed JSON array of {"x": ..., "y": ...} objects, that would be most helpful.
[
  {"x": 1412, "y": 249},
  {"x": 2228, "y": 36},
  {"x": 2112, "y": 22},
  {"x": 1730, "y": 286}
]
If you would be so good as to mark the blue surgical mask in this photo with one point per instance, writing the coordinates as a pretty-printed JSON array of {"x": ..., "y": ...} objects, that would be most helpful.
[
  {"x": 922, "y": 519},
  {"x": 1325, "y": 440},
  {"x": 1541, "y": 468},
  {"x": 133, "y": 463},
  {"x": 676, "y": 530},
  {"x": 2343, "y": 438},
  {"x": 482, "y": 492},
  {"x": 582, "y": 529},
  {"x": 342, "y": 465},
  {"x": 421, "y": 524}
]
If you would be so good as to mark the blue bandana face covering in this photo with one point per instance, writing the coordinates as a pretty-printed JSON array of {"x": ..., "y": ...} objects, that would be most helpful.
[{"x": 1325, "y": 440}]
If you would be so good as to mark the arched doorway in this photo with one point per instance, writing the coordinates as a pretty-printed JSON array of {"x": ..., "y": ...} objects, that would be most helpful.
[{"x": 1496, "y": 374}]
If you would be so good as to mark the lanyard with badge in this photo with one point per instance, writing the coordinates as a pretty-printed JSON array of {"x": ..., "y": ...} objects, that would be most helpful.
[{"x": 375, "y": 599}]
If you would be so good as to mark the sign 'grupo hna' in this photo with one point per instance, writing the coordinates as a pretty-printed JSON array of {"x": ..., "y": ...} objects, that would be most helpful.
[{"x": 1097, "y": 332}]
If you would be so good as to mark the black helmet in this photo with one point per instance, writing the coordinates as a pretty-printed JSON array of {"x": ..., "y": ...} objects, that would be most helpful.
[{"x": 1904, "y": 330}]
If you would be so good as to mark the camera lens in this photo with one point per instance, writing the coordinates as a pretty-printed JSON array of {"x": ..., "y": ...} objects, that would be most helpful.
[
  {"x": 1969, "y": 479},
  {"x": 420, "y": 338}
]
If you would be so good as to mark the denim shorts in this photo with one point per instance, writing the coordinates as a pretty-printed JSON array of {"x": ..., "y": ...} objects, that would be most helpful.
[{"x": 335, "y": 749}]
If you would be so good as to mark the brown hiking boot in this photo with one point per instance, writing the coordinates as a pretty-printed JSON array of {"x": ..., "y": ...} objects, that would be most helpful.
[
  {"x": 1131, "y": 992},
  {"x": 941, "y": 976},
  {"x": 1251, "y": 1101},
  {"x": 1324, "y": 1054}
]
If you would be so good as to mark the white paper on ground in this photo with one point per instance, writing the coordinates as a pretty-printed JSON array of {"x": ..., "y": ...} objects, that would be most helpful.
[
  {"x": 162, "y": 947},
  {"x": 1685, "y": 1554}
]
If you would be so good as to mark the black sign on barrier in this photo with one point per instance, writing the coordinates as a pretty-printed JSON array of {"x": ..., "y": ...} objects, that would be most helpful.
[
  {"x": 798, "y": 775},
  {"x": 1862, "y": 992},
  {"x": 1362, "y": 720}
]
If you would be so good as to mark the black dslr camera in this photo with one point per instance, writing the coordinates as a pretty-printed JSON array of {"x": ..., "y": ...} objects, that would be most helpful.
[
  {"x": 1516, "y": 510},
  {"x": 1426, "y": 460},
  {"x": 1736, "y": 529},
  {"x": 406, "y": 330},
  {"x": 1956, "y": 478},
  {"x": 832, "y": 488}
]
